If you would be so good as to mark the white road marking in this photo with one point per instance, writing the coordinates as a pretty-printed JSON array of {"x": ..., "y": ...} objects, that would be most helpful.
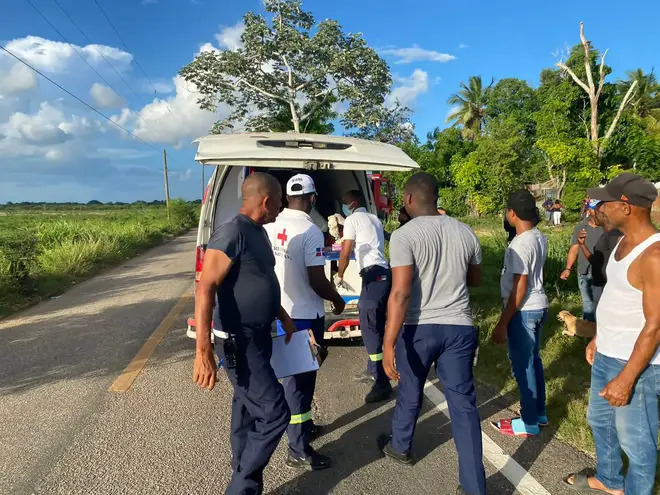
[{"x": 524, "y": 482}]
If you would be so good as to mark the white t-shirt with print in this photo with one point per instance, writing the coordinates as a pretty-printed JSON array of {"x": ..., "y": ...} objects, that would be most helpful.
[
  {"x": 297, "y": 244},
  {"x": 526, "y": 256},
  {"x": 369, "y": 239}
]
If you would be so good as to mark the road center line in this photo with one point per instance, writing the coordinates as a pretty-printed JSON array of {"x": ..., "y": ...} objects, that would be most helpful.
[
  {"x": 135, "y": 367},
  {"x": 524, "y": 482}
]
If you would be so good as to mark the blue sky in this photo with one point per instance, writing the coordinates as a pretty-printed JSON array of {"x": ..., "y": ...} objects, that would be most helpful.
[{"x": 52, "y": 148}]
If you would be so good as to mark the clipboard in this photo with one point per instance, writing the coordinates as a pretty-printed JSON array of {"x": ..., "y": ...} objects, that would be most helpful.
[{"x": 298, "y": 356}]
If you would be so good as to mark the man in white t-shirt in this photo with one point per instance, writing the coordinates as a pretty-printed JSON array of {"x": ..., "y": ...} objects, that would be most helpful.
[
  {"x": 524, "y": 314},
  {"x": 299, "y": 265},
  {"x": 364, "y": 234}
]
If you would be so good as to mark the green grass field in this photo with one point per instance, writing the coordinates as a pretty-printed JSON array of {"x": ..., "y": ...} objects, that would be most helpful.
[{"x": 43, "y": 250}]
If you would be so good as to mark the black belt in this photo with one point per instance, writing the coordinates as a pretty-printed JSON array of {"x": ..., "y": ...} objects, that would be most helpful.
[{"x": 371, "y": 273}]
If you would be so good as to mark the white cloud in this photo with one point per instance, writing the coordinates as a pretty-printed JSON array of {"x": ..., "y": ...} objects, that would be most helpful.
[
  {"x": 54, "y": 56},
  {"x": 463, "y": 46},
  {"x": 105, "y": 97},
  {"x": 409, "y": 88},
  {"x": 230, "y": 37},
  {"x": 173, "y": 120},
  {"x": 42, "y": 128},
  {"x": 18, "y": 78},
  {"x": 417, "y": 54}
]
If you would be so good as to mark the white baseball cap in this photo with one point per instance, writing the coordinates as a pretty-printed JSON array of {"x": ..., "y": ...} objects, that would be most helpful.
[{"x": 300, "y": 184}]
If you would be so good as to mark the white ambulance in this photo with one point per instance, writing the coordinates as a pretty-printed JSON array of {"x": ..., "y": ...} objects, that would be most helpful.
[{"x": 337, "y": 165}]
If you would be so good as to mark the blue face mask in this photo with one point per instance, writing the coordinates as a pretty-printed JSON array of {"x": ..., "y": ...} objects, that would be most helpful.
[{"x": 346, "y": 210}]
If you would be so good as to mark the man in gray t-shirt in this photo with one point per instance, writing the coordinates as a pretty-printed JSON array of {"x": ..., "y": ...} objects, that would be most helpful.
[
  {"x": 440, "y": 249},
  {"x": 434, "y": 259}
]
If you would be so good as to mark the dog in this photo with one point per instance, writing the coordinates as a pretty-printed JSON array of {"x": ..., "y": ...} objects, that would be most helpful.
[{"x": 576, "y": 327}]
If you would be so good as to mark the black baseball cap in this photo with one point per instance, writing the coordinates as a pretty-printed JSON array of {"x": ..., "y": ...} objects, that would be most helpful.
[
  {"x": 523, "y": 204},
  {"x": 630, "y": 188}
]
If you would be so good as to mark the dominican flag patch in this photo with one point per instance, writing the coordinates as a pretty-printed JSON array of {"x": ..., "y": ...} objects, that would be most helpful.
[{"x": 319, "y": 252}]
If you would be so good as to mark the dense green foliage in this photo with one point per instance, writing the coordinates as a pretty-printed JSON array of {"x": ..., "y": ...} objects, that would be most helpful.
[
  {"x": 510, "y": 135},
  {"x": 44, "y": 251}
]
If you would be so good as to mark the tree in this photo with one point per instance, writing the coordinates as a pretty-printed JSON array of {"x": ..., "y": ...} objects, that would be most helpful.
[
  {"x": 646, "y": 100},
  {"x": 470, "y": 103},
  {"x": 391, "y": 125},
  {"x": 594, "y": 92},
  {"x": 283, "y": 63}
]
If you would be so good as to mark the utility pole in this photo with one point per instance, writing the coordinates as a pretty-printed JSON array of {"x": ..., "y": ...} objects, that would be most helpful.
[{"x": 167, "y": 186}]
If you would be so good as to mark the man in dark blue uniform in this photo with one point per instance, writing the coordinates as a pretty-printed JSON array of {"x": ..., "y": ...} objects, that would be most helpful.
[
  {"x": 364, "y": 234},
  {"x": 239, "y": 271}
]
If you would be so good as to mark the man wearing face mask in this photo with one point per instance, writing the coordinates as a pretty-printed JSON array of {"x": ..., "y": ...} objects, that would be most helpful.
[
  {"x": 364, "y": 234},
  {"x": 298, "y": 248}
]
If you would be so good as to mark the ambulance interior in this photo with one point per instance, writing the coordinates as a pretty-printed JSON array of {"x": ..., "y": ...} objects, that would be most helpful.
[{"x": 330, "y": 187}]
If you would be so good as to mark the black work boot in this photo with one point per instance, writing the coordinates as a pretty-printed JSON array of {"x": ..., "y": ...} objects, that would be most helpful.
[
  {"x": 385, "y": 445},
  {"x": 315, "y": 431},
  {"x": 313, "y": 462},
  {"x": 379, "y": 393}
]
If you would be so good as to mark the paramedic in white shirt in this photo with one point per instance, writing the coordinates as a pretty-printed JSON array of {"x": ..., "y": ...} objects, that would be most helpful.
[
  {"x": 625, "y": 373},
  {"x": 363, "y": 234},
  {"x": 299, "y": 265}
]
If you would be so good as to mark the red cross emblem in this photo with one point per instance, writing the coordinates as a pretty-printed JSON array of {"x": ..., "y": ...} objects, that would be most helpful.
[{"x": 282, "y": 237}]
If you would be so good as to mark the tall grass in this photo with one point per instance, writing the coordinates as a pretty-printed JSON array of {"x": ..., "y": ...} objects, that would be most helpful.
[{"x": 41, "y": 254}]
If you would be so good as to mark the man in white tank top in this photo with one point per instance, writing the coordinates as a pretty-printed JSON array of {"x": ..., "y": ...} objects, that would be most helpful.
[{"x": 625, "y": 374}]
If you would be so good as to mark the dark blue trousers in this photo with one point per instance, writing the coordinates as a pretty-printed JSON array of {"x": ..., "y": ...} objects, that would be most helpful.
[
  {"x": 372, "y": 306},
  {"x": 299, "y": 391},
  {"x": 451, "y": 348},
  {"x": 259, "y": 414}
]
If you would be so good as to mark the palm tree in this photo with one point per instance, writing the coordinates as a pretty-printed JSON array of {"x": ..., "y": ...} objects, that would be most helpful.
[
  {"x": 469, "y": 107},
  {"x": 646, "y": 101}
]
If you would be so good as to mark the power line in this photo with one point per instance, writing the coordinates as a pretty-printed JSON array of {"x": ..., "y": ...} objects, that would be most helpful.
[
  {"x": 93, "y": 45},
  {"x": 107, "y": 18},
  {"x": 77, "y": 98},
  {"x": 73, "y": 47}
]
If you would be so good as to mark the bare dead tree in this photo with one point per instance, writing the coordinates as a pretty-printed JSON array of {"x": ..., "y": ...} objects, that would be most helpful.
[{"x": 594, "y": 91}]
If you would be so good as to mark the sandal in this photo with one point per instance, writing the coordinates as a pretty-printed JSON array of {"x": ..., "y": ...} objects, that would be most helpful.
[
  {"x": 505, "y": 428},
  {"x": 541, "y": 424},
  {"x": 581, "y": 484}
]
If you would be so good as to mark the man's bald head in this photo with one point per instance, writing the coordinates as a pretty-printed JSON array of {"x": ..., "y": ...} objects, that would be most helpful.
[
  {"x": 262, "y": 197},
  {"x": 259, "y": 185},
  {"x": 421, "y": 195}
]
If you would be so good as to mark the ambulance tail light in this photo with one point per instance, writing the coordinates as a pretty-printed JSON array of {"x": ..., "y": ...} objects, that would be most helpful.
[{"x": 199, "y": 263}]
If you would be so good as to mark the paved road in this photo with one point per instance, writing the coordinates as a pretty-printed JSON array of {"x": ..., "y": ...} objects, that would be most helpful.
[{"x": 63, "y": 432}]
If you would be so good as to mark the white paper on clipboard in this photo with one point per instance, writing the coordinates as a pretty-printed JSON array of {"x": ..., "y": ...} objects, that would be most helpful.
[{"x": 293, "y": 358}]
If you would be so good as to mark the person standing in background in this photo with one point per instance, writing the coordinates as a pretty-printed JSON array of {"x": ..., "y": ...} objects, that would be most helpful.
[
  {"x": 599, "y": 257},
  {"x": 434, "y": 260},
  {"x": 297, "y": 244},
  {"x": 591, "y": 233},
  {"x": 364, "y": 234},
  {"x": 624, "y": 355},
  {"x": 547, "y": 207},
  {"x": 524, "y": 314},
  {"x": 557, "y": 208}
]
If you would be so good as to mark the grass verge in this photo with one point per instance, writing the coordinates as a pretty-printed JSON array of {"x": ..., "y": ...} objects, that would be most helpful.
[{"x": 43, "y": 254}]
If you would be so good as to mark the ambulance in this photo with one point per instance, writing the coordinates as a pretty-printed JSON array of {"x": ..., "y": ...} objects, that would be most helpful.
[{"x": 337, "y": 165}]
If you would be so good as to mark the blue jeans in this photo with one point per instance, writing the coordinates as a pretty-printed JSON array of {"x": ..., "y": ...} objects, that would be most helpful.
[
  {"x": 585, "y": 283},
  {"x": 451, "y": 348},
  {"x": 633, "y": 428},
  {"x": 524, "y": 342}
]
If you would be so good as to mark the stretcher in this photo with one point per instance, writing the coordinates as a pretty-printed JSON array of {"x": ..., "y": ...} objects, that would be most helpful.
[{"x": 346, "y": 325}]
